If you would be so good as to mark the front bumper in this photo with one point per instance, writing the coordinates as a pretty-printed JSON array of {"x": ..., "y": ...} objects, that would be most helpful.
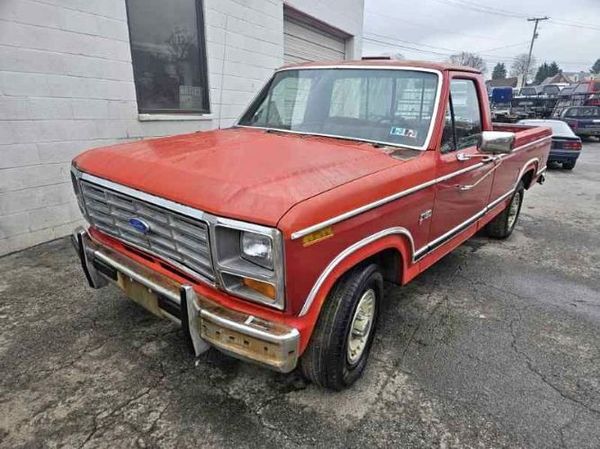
[{"x": 205, "y": 322}]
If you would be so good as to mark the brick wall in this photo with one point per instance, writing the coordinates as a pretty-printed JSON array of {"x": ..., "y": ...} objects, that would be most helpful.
[{"x": 66, "y": 84}]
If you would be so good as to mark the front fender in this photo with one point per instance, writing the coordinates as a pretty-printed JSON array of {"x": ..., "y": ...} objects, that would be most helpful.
[{"x": 398, "y": 239}]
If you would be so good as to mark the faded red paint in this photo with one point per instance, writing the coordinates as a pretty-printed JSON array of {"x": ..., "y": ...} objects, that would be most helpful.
[{"x": 293, "y": 181}]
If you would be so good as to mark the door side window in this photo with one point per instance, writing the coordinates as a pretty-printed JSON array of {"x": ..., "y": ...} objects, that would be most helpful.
[
  {"x": 462, "y": 128},
  {"x": 467, "y": 116}
]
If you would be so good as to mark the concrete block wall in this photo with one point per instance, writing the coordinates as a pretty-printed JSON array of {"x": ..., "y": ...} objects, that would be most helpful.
[{"x": 66, "y": 85}]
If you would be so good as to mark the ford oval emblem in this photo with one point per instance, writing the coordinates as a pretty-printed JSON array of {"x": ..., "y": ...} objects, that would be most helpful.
[{"x": 139, "y": 225}]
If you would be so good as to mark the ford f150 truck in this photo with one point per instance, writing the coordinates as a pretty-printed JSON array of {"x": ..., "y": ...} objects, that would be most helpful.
[{"x": 271, "y": 240}]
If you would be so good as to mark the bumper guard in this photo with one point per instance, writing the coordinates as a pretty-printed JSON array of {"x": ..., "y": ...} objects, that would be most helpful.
[{"x": 205, "y": 322}]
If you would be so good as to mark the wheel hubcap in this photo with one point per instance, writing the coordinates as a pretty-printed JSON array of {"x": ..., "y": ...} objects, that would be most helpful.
[
  {"x": 361, "y": 326},
  {"x": 513, "y": 209}
]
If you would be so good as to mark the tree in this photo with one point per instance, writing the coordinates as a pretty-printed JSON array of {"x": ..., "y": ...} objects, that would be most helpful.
[
  {"x": 596, "y": 67},
  {"x": 519, "y": 66},
  {"x": 546, "y": 70},
  {"x": 469, "y": 59},
  {"x": 499, "y": 71},
  {"x": 542, "y": 73}
]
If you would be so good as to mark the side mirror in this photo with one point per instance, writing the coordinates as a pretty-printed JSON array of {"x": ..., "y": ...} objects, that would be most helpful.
[{"x": 496, "y": 142}]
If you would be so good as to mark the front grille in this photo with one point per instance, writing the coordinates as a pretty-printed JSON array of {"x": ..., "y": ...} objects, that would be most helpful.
[{"x": 172, "y": 236}]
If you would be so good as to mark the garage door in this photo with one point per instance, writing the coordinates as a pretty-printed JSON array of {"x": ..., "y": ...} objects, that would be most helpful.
[{"x": 303, "y": 43}]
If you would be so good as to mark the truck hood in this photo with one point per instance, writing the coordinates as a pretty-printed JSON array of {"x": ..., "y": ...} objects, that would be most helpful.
[{"x": 242, "y": 173}]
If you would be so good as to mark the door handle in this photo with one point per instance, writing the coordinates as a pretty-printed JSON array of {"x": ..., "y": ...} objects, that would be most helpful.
[{"x": 462, "y": 157}]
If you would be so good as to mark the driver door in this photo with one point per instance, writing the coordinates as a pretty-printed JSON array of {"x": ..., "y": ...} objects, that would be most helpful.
[{"x": 464, "y": 194}]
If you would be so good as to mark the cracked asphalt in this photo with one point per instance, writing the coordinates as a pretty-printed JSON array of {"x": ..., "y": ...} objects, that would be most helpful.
[{"x": 496, "y": 346}]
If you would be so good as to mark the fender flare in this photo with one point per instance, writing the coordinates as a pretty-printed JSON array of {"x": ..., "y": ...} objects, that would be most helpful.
[
  {"x": 397, "y": 238},
  {"x": 531, "y": 163}
]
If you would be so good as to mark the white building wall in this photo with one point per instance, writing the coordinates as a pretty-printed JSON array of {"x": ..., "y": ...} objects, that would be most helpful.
[{"x": 66, "y": 85}]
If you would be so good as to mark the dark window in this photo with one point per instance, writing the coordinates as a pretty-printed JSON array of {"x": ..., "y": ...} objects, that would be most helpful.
[
  {"x": 462, "y": 128},
  {"x": 169, "y": 55}
]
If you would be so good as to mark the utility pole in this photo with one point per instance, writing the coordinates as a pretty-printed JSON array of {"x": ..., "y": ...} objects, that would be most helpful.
[{"x": 533, "y": 38}]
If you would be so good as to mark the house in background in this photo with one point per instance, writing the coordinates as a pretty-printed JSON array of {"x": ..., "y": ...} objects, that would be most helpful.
[
  {"x": 559, "y": 78},
  {"x": 577, "y": 77},
  {"x": 80, "y": 74}
]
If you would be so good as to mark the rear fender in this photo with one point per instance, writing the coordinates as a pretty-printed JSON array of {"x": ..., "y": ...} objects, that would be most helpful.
[{"x": 528, "y": 172}]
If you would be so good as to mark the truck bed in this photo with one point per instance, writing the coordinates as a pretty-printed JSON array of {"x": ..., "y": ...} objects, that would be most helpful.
[{"x": 524, "y": 133}]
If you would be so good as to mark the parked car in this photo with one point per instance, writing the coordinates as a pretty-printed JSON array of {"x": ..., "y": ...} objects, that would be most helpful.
[
  {"x": 530, "y": 91},
  {"x": 271, "y": 240},
  {"x": 566, "y": 146},
  {"x": 583, "y": 120}
]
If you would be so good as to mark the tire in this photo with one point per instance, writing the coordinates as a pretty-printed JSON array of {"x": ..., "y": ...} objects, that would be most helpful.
[
  {"x": 503, "y": 225},
  {"x": 332, "y": 359},
  {"x": 568, "y": 165}
]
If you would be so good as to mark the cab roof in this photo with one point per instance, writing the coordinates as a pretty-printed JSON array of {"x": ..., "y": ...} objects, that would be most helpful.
[{"x": 372, "y": 62}]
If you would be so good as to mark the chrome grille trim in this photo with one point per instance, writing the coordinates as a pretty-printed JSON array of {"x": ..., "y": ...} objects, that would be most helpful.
[{"x": 175, "y": 237}]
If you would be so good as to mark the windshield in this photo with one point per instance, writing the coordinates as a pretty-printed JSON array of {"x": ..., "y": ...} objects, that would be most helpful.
[{"x": 387, "y": 106}]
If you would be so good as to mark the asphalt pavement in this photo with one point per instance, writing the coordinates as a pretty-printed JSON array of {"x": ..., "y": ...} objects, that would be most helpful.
[{"x": 496, "y": 346}]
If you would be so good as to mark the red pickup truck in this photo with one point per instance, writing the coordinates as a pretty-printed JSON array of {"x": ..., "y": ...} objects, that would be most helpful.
[{"x": 271, "y": 240}]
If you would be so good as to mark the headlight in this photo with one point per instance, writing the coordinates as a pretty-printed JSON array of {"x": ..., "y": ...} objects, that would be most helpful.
[
  {"x": 248, "y": 260},
  {"x": 257, "y": 248}
]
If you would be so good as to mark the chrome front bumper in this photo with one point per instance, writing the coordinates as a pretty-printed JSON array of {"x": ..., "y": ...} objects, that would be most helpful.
[{"x": 205, "y": 322}]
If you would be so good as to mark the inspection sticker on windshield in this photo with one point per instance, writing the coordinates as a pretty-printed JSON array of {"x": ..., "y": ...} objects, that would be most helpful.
[{"x": 404, "y": 132}]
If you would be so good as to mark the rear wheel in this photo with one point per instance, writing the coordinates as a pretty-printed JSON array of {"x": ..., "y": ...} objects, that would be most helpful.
[
  {"x": 568, "y": 165},
  {"x": 502, "y": 226},
  {"x": 339, "y": 347}
]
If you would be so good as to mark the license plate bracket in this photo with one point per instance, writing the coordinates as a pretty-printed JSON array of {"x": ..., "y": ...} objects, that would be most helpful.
[{"x": 139, "y": 294}]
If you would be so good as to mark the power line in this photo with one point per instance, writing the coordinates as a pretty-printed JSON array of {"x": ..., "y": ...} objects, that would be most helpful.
[
  {"x": 397, "y": 43},
  {"x": 393, "y": 41},
  {"x": 512, "y": 14},
  {"x": 429, "y": 26}
]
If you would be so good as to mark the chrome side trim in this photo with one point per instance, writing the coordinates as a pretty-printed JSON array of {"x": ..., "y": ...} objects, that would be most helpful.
[
  {"x": 525, "y": 167},
  {"x": 415, "y": 255},
  {"x": 499, "y": 199},
  {"x": 434, "y": 113},
  {"x": 382, "y": 201},
  {"x": 341, "y": 256},
  {"x": 421, "y": 252}
]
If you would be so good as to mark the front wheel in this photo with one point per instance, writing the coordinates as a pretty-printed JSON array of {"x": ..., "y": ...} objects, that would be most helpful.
[
  {"x": 503, "y": 225},
  {"x": 568, "y": 165},
  {"x": 339, "y": 347}
]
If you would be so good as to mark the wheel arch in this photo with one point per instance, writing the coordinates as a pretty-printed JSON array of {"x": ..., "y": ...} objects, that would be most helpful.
[
  {"x": 393, "y": 246},
  {"x": 528, "y": 172}
]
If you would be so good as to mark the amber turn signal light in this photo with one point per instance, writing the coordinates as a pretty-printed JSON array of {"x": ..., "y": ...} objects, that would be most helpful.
[{"x": 264, "y": 288}]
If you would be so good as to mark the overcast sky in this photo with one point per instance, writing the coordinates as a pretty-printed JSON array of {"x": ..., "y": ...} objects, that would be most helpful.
[{"x": 497, "y": 30}]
